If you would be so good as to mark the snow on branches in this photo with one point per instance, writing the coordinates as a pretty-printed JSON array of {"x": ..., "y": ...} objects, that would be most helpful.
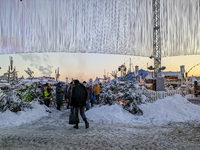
[
  {"x": 19, "y": 98},
  {"x": 127, "y": 95}
]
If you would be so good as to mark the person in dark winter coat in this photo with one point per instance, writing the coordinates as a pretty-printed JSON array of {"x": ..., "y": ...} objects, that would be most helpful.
[
  {"x": 79, "y": 97},
  {"x": 42, "y": 90},
  {"x": 65, "y": 95},
  {"x": 69, "y": 96},
  {"x": 90, "y": 95},
  {"x": 59, "y": 95},
  {"x": 92, "y": 100}
]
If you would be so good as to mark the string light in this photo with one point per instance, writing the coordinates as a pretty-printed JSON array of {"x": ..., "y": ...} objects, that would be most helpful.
[{"x": 106, "y": 27}]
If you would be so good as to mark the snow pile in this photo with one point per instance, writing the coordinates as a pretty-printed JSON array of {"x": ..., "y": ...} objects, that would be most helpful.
[
  {"x": 163, "y": 111},
  {"x": 9, "y": 119},
  {"x": 171, "y": 109},
  {"x": 112, "y": 114}
]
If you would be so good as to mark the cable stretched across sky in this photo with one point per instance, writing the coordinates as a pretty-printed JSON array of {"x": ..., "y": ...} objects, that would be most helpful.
[{"x": 122, "y": 27}]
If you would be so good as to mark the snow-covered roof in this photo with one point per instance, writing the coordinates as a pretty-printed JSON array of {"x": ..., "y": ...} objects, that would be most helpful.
[
  {"x": 36, "y": 80},
  {"x": 197, "y": 78},
  {"x": 4, "y": 84},
  {"x": 148, "y": 84},
  {"x": 170, "y": 73},
  {"x": 3, "y": 77},
  {"x": 25, "y": 80},
  {"x": 183, "y": 86},
  {"x": 164, "y": 74},
  {"x": 3, "y": 81},
  {"x": 194, "y": 79},
  {"x": 149, "y": 77}
]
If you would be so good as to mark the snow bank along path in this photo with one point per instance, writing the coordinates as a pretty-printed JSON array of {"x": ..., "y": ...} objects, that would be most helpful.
[
  {"x": 10, "y": 119},
  {"x": 172, "y": 109},
  {"x": 163, "y": 111}
]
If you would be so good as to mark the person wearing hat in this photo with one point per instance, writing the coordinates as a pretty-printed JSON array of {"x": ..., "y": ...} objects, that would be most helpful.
[
  {"x": 59, "y": 95},
  {"x": 78, "y": 101},
  {"x": 84, "y": 83}
]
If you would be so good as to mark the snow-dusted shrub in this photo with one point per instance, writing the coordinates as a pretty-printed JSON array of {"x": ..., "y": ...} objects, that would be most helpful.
[
  {"x": 20, "y": 97},
  {"x": 127, "y": 95},
  {"x": 8, "y": 100}
]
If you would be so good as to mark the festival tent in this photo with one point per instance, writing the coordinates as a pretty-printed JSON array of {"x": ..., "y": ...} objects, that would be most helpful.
[{"x": 131, "y": 76}]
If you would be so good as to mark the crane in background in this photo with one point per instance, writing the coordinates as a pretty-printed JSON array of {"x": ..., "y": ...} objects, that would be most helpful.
[
  {"x": 156, "y": 40},
  {"x": 159, "y": 80}
]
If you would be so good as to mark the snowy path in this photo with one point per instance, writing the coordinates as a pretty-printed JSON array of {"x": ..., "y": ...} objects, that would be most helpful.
[{"x": 54, "y": 132}]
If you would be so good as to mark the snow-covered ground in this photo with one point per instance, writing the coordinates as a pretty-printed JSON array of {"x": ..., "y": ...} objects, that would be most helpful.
[
  {"x": 170, "y": 123},
  {"x": 164, "y": 111},
  {"x": 11, "y": 119}
]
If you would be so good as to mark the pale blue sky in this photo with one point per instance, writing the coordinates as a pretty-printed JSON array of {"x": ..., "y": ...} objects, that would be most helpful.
[
  {"x": 113, "y": 26},
  {"x": 84, "y": 66}
]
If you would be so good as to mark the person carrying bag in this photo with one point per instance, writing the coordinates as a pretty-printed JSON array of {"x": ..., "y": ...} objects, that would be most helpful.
[
  {"x": 78, "y": 102},
  {"x": 73, "y": 119}
]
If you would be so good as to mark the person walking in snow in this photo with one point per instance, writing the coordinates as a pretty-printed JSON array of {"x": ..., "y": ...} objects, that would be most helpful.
[
  {"x": 47, "y": 94},
  {"x": 97, "y": 90},
  {"x": 69, "y": 96},
  {"x": 42, "y": 90},
  {"x": 59, "y": 95},
  {"x": 65, "y": 96},
  {"x": 90, "y": 95},
  {"x": 79, "y": 97},
  {"x": 92, "y": 100}
]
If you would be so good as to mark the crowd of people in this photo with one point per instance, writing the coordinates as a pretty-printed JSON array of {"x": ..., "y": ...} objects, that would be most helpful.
[{"x": 79, "y": 97}]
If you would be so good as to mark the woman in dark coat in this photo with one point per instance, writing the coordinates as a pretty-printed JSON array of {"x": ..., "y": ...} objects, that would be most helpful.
[{"x": 59, "y": 95}]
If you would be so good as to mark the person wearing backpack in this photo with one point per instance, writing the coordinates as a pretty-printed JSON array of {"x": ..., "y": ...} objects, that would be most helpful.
[{"x": 78, "y": 102}]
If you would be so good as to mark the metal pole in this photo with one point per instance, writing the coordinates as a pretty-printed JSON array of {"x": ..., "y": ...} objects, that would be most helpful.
[
  {"x": 8, "y": 74},
  {"x": 130, "y": 65},
  {"x": 156, "y": 37}
]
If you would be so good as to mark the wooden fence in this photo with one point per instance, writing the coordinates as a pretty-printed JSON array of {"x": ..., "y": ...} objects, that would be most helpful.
[{"x": 152, "y": 96}]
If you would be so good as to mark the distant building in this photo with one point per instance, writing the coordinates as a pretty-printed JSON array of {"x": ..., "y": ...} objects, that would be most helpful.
[
  {"x": 171, "y": 78},
  {"x": 4, "y": 77},
  {"x": 131, "y": 76}
]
